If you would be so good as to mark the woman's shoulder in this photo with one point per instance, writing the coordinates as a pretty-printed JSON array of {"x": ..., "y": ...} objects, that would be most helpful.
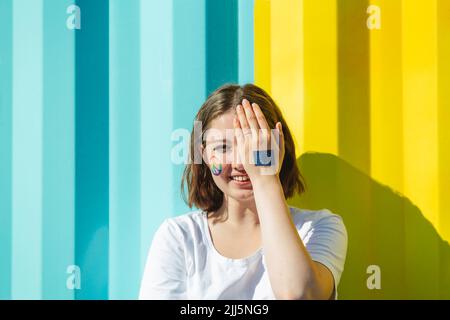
[
  {"x": 190, "y": 224},
  {"x": 184, "y": 225},
  {"x": 192, "y": 219},
  {"x": 307, "y": 218},
  {"x": 189, "y": 217}
]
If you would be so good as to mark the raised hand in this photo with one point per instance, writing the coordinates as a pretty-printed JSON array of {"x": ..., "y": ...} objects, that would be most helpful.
[{"x": 260, "y": 148}]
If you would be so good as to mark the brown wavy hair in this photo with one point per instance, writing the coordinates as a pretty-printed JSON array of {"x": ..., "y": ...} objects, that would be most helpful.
[{"x": 202, "y": 190}]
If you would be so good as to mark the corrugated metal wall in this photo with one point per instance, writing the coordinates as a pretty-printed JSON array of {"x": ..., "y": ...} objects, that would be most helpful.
[
  {"x": 365, "y": 87},
  {"x": 87, "y": 118}
]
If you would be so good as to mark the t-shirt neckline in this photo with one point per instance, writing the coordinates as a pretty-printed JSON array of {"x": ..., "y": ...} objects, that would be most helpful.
[{"x": 241, "y": 261}]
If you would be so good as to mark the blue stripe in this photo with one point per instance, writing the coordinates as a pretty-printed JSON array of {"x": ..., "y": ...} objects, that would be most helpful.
[
  {"x": 221, "y": 43},
  {"x": 27, "y": 150},
  {"x": 246, "y": 41},
  {"x": 124, "y": 189},
  {"x": 92, "y": 149},
  {"x": 5, "y": 147},
  {"x": 156, "y": 117},
  {"x": 58, "y": 151},
  {"x": 189, "y": 78}
]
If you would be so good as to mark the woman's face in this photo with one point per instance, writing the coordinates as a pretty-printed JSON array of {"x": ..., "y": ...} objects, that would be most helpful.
[{"x": 222, "y": 158}]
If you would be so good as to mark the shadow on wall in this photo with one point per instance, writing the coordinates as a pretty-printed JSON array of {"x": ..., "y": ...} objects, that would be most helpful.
[{"x": 384, "y": 229}]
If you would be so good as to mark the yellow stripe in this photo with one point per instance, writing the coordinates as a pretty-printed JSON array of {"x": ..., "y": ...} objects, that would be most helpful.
[
  {"x": 287, "y": 65},
  {"x": 320, "y": 76},
  {"x": 444, "y": 116},
  {"x": 386, "y": 115},
  {"x": 420, "y": 106},
  {"x": 262, "y": 44}
]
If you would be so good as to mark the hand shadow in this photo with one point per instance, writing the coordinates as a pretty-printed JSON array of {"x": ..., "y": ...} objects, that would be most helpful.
[{"x": 384, "y": 229}]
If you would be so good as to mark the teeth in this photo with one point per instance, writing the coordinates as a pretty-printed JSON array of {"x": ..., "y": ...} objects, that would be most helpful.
[{"x": 240, "y": 178}]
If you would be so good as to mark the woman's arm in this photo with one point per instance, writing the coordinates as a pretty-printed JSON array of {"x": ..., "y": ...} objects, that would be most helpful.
[{"x": 292, "y": 272}]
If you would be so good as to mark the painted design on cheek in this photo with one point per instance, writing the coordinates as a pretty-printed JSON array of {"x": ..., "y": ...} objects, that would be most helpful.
[{"x": 216, "y": 169}]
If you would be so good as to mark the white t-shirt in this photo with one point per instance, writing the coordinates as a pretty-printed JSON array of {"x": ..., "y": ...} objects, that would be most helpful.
[{"x": 183, "y": 263}]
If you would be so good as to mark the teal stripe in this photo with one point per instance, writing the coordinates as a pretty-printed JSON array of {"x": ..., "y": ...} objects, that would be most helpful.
[
  {"x": 246, "y": 41},
  {"x": 189, "y": 78},
  {"x": 27, "y": 150},
  {"x": 156, "y": 117},
  {"x": 92, "y": 149},
  {"x": 58, "y": 151},
  {"x": 124, "y": 150},
  {"x": 221, "y": 43},
  {"x": 5, "y": 146}
]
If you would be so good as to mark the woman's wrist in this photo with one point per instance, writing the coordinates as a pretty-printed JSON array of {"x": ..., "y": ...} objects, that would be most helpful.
[{"x": 265, "y": 181}]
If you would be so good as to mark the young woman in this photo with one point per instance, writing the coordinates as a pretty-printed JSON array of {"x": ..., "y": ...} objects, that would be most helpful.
[{"x": 245, "y": 241}]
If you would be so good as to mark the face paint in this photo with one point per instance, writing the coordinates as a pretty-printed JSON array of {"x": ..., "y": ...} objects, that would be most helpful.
[{"x": 216, "y": 169}]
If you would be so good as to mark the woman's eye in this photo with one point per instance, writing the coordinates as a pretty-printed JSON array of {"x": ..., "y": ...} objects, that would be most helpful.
[{"x": 222, "y": 148}]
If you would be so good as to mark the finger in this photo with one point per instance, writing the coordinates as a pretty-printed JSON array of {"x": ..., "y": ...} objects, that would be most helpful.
[
  {"x": 239, "y": 137},
  {"x": 260, "y": 117},
  {"x": 264, "y": 132},
  {"x": 251, "y": 117},
  {"x": 254, "y": 126},
  {"x": 238, "y": 130},
  {"x": 280, "y": 137},
  {"x": 242, "y": 118}
]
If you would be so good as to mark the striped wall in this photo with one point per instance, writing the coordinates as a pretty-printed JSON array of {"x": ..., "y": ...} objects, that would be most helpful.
[
  {"x": 369, "y": 110},
  {"x": 88, "y": 115}
]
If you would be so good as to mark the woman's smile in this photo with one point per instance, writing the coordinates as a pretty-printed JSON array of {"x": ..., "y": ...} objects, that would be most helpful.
[{"x": 240, "y": 180}]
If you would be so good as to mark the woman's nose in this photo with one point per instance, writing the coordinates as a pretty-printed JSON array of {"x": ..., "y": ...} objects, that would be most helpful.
[{"x": 237, "y": 162}]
